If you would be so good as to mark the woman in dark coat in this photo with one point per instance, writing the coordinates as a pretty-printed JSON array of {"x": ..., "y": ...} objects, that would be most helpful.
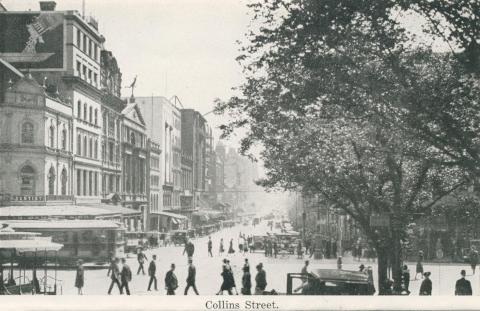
[
  {"x": 230, "y": 248},
  {"x": 79, "y": 277},
  {"x": 226, "y": 284},
  {"x": 246, "y": 281},
  {"x": 426, "y": 287}
]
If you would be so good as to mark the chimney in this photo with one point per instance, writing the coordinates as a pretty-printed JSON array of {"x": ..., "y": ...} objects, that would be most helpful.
[{"x": 47, "y": 5}]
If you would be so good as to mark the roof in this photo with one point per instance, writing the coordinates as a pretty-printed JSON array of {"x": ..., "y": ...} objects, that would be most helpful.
[
  {"x": 63, "y": 210},
  {"x": 63, "y": 224},
  {"x": 30, "y": 245},
  {"x": 340, "y": 275},
  {"x": 173, "y": 215}
]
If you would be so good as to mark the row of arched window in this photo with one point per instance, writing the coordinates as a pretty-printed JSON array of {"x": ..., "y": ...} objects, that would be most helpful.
[
  {"x": 28, "y": 135},
  {"x": 28, "y": 177},
  {"x": 89, "y": 114},
  {"x": 87, "y": 146}
]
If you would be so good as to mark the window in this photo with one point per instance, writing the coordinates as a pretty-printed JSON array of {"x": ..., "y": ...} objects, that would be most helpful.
[
  {"x": 90, "y": 183},
  {"x": 89, "y": 75},
  {"x": 27, "y": 177},
  {"x": 51, "y": 136},
  {"x": 90, "y": 114},
  {"x": 84, "y": 182},
  {"x": 90, "y": 47},
  {"x": 84, "y": 47},
  {"x": 84, "y": 71},
  {"x": 90, "y": 150},
  {"x": 95, "y": 181},
  {"x": 64, "y": 182},
  {"x": 79, "y": 110},
  {"x": 95, "y": 52},
  {"x": 51, "y": 181},
  {"x": 79, "y": 39},
  {"x": 85, "y": 112},
  {"x": 132, "y": 138},
  {"x": 95, "y": 120},
  {"x": 79, "y": 68},
  {"x": 96, "y": 149},
  {"x": 64, "y": 139},
  {"x": 27, "y": 133},
  {"x": 85, "y": 146},
  {"x": 103, "y": 152},
  {"x": 95, "y": 78},
  {"x": 79, "y": 182},
  {"x": 79, "y": 144},
  {"x": 111, "y": 151}
]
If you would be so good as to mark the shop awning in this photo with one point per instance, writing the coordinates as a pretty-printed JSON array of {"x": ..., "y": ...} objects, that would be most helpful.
[
  {"x": 30, "y": 245},
  {"x": 173, "y": 215}
]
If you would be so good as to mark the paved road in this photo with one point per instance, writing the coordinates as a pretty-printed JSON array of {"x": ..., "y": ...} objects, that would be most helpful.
[{"x": 209, "y": 269}]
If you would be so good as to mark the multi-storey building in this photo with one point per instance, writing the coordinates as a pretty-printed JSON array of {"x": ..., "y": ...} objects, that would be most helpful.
[
  {"x": 111, "y": 112},
  {"x": 61, "y": 50},
  {"x": 134, "y": 158},
  {"x": 194, "y": 144},
  {"x": 163, "y": 121},
  {"x": 35, "y": 145}
]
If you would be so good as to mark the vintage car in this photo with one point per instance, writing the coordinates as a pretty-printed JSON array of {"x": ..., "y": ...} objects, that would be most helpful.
[
  {"x": 179, "y": 237},
  {"x": 329, "y": 282}
]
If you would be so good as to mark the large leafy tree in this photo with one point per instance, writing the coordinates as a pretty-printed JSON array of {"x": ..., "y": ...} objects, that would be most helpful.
[{"x": 347, "y": 103}]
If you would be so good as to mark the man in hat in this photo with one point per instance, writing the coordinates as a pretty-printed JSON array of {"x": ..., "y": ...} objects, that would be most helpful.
[
  {"x": 210, "y": 245},
  {"x": 361, "y": 268},
  {"x": 152, "y": 269},
  {"x": 426, "y": 287},
  {"x": 191, "y": 277},
  {"x": 189, "y": 249},
  {"x": 125, "y": 276},
  {"x": 171, "y": 282},
  {"x": 114, "y": 273},
  {"x": 463, "y": 286},
  {"x": 304, "y": 273},
  {"x": 260, "y": 280}
]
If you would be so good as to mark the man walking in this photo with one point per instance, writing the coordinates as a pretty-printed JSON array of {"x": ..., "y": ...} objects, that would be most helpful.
[
  {"x": 141, "y": 260},
  {"x": 463, "y": 286},
  {"x": 125, "y": 276},
  {"x": 114, "y": 273},
  {"x": 260, "y": 280},
  {"x": 192, "y": 272},
  {"x": 171, "y": 282},
  {"x": 189, "y": 249},
  {"x": 152, "y": 269},
  {"x": 210, "y": 245},
  {"x": 473, "y": 259}
]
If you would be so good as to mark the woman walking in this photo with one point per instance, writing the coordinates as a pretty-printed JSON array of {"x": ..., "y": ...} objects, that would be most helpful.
[
  {"x": 79, "y": 277},
  {"x": 419, "y": 268},
  {"x": 426, "y": 287},
  {"x": 222, "y": 248},
  {"x": 230, "y": 248}
]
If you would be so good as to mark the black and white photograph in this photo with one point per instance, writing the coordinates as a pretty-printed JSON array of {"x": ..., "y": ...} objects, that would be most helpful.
[{"x": 245, "y": 150}]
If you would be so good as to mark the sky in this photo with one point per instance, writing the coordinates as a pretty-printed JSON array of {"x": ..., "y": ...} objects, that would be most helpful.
[{"x": 185, "y": 48}]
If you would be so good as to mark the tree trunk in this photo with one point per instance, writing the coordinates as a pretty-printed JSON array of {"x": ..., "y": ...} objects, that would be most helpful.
[
  {"x": 396, "y": 260},
  {"x": 382, "y": 256}
]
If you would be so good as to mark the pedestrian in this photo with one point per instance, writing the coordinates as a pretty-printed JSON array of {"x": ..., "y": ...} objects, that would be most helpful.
[
  {"x": 114, "y": 273},
  {"x": 230, "y": 248},
  {"x": 299, "y": 250},
  {"x": 231, "y": 278},
  {"x": 339, "y": 263},
  {"x": 226, "y": 286},
  {"x": 406, "y": 278},
  {"x": 260, "y": 280},
  {"x": 304, "y": 273},
  {"x": 210, "y": 245},
  {"x": 171, "y": 282},
  {"x": 426, "y": 287},
  {"x": 192, "y": 272},
  {"x": 141, "y": 257},
  {"x": 152, "y": 270},
  {"x": 246, "y": 279},
  {"x": 312, "y": 250},
  {"x": 275, "y": 249},
  {"x": 189, "y": 249},
  {"x": 79, "y": 277},
  {"x": 240, "y": 243},
  {"x": 473, "y": 259},
  {"x": 222, "y": 248},
  {"x": 419, "y": 267},
  {"x": 371, "y": 284},
  {"x": 463, "y": 286},
  {"x": 125, "y": 276},
  {"x": 361, "y": 268}
]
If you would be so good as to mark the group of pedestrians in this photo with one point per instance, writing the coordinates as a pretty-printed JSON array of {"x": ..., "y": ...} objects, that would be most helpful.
[
  {"x": 271, "y": 247},
  {"x": 229, "y": 284}
]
